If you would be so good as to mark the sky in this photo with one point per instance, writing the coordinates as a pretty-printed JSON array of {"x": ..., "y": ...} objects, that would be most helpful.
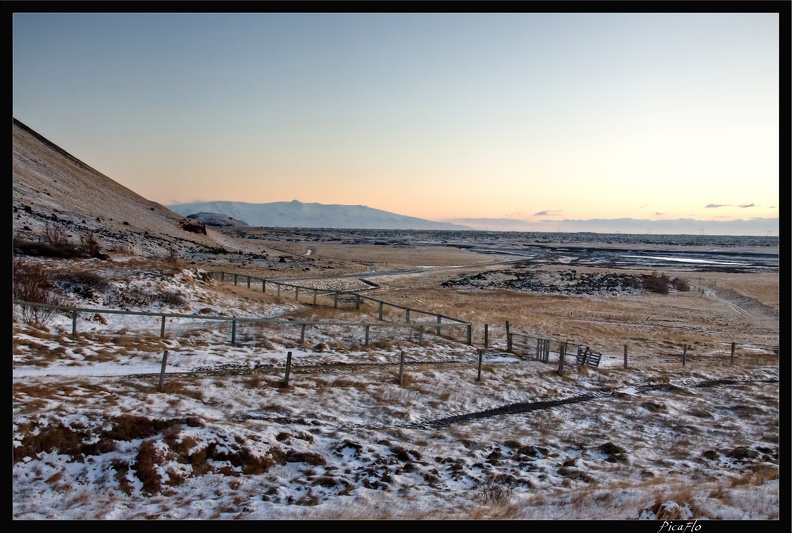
[
  {"x": 652, "y": 443},
  {"x": 535, "y": 117}
]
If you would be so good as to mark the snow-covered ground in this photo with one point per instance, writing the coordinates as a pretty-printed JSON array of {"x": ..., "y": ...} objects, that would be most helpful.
[{"x": 392, "y": 429}]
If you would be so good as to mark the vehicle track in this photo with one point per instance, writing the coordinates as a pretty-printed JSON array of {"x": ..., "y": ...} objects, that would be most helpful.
[
  {"x": 509, "y": 409},
  {"x": 743, "y": 305}
]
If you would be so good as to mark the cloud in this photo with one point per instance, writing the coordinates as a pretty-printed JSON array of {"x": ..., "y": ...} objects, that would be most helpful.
[
  {"x": 728, "y": 205},
  {"x": 548, "y": 212},
  {"x": 659, "y": 213}
]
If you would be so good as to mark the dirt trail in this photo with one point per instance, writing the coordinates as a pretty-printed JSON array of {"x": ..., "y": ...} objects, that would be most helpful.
[{"x": 749, "y": 308}]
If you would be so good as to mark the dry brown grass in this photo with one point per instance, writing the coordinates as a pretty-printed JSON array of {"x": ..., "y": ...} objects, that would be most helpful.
[
  {"x": 181, "y": 387},
  {"x": 651, "y": 326},
  {"x": 761, "y": 474}
]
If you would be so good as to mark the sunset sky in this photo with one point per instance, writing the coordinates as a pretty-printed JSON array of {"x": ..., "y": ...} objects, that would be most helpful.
[{"x": 529, "y": 116}]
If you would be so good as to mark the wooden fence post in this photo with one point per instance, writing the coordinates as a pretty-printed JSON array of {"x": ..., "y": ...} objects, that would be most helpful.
[
  {"x": 401, "y": 368},
  {"x": 470, "y": 334},
  {"x": 562, "y": 349},
  {"x": 481, "y": 356},
  {"x": 162, "y": 328},
  {"x": 74, "y": 322},
  {"x": 288, "y": 368},
  {"x": 162, "y": 371},
  {"x": 407, "y": 315},
  {"x": 233, "y": 332},
  {"x": 585, "y": 355},
  {"x": 486, "y": 335},
  {"x": 625, "y": 356},
  {"x": 264, "y": 285},
  {"x": 335, "y": 300},
  {"x": 380, "y": 310},
  {"x": 508, "y": 341},
  {"x": 420, "y": 335},
  {"x": 367, "y": 335},
  {"x": 684, "y": 354},
  {"x": 731, "y": 360},
  {"x": 235, "y": 279},
  {"x": 248, "y": 283},
  {"x": 357, "y": 302},
  {"x": 314, "y": 297}
]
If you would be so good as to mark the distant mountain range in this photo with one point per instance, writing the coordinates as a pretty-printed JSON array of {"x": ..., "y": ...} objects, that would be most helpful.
[{"x": 296, "y": 214}]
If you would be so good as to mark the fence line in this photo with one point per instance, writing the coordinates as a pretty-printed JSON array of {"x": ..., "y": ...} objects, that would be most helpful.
[
  {"x": 336, "y": 294},
  {"x": 420, "y": 327},
  {"x": 533, "y": 347}
]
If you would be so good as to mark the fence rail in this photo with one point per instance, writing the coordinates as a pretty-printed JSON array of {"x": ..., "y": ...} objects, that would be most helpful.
[
  {"x": 521, "y": 344},
  {"x": 348, "y": 295},
  {"x": 420, "y": 327},
  {"x": 533, "y": 347}
]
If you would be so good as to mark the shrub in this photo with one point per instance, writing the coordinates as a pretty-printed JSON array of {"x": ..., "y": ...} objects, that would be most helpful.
[
  {"x": 83, "y": 284},
  {"x": 43, "y": 249},
  {"x": 32, "y": 283},
  {"x": 172, "y": 299},
  {"x": 656, "y": 283},
  {"x": 89, "y": 247},
  {"x": 55, "y": 244},
  {"x": 55, "y": 236},
  {"x": 497, "y": 489}
]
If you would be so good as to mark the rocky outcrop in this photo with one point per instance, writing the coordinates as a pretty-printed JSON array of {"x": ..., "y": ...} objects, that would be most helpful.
[
  {"x": 193, "y": 226},
  {"x": 218, "y": 220}
]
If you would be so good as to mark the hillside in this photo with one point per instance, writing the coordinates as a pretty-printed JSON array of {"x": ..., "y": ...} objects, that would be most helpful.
[{"x": 51, "y": 187}]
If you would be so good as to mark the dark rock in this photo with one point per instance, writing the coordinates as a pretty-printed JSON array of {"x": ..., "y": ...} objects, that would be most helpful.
[
  {"x": 742, "y": 452},
  {"x": 653, "y": 407},
  {"x": 193, "y": 226}
]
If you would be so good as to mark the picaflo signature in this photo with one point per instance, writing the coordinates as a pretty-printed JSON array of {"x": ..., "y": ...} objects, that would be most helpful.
[{"x": 679, "y": 527}]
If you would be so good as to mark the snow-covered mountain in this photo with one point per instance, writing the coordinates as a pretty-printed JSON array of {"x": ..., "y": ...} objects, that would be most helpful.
[{"x": 296, "y": 214}]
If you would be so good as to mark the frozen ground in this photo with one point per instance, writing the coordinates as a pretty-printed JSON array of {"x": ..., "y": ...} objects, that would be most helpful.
[{"x": 390, "y": 430}]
